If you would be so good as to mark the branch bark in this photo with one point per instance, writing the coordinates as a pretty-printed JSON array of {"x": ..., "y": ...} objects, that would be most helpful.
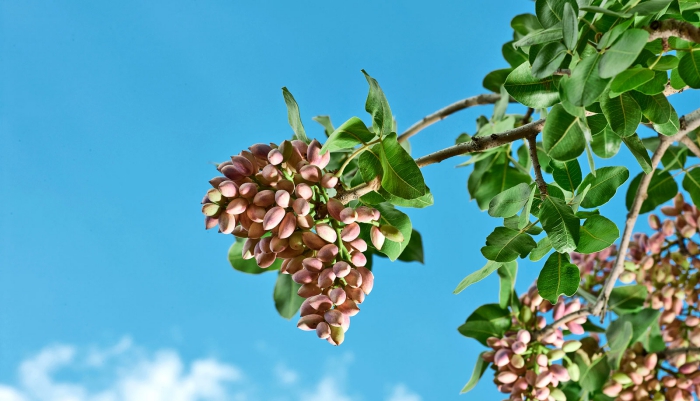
[
  {"x": 691, "y": 146},
  {"x": 671, "y": 27},
  {"x": 541, "y": 183},
  {"x": 487, "y": 98}
]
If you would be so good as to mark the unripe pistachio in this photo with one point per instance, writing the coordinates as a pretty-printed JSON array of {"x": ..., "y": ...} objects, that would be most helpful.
[
  {"x": 312, "y": 240},
  {"x": 337, "y": 336},
  {"x": 506, "y": 377},
  {"x": 304, "y": 276},
  {"x": 323, "y": 330},
  {"x": 571, "y": 346},
  {"x": 326, "y": 278},
  {"x": 228, "y": 189},
  {"x": 211, "y": 209},
  {"x": 367, "y": 279},
  {"x": 391, "y": 233},
  {"x": 359, "y": 244},
  {"x": 328, "y": 253},
  {"x": 275, "y": 157},
  {"x": 286, "y": 185},
  {"x": 555, "y": 354},
  {"x": 355, "y": 294},
  {"x": 519, "y": 348},
  {"x": 341, "y": 269},
  {"x": 248, "y": 190},
  {"x": 311, "y": 173},
  {"x": 278, "y": 244},
  {"x": 377, "y": 237},
  {"x": 353, "y": 278},
  {"x": 349, "y": 307},
  {"x": 303, "y": 191},
  {"x": 231, "y": 172},
  {"x": 214, "y": 195},
  {"x": 240, "y": 232},
  {"x": 557, "y": 395},
  {"x": 334, "y": 317},
  {"x": 502, "y": 357},
  {"x": 334, "y": 208},
  {"x": 273, "y": 217},
  {"x": 560, "y": 373},
  {"x": 320, "y": 303},
  {"x": 289, "y": 253},
  {"x": 337, "y": 295},
  {"x": 216, "y": 181},
  {"x": 350, "y": 232},
  {"x": 270, "y": 173},
  {"x": 256, "y": 230},
  {"x": 227, "y": 222},
  {"x": 210, "y": 222},
  {"x": 308, "y": 290},
  {"x": 348, "y": 215},
  {"x": 358, "y": 258},
  {"x": 309, "y": 322},
  {"x": 242, "y": 165},
  {"x": 574, "y": 372},
  {"x": 287, "y": 226},
  {"x": 364, "y": 214},
  {"x": 312, "y": 264},
  {"x": 542, "y": 393},
  {"x": 326, "y": 232},
  {"x": 237, "y": 206},
  {"x": 265, "y": 259},
  {"x": 517, "y": 361},
  {"x": 622, "y": 378},
  {"x": 329, "y": 180},
  {"x": 305, "y": 222},
  {"x": 543, "y": 379},
  {"x": 524, "y": 336}
]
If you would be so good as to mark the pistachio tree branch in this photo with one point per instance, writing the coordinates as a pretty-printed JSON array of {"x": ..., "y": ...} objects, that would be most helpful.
[
  {"x": 671, "y": 27},
  {"x": 692, "y": 146},
  {"x": 479, "y": 144},
  {"x": 541, "y": 183},
  {"x": 689, "y": 122},
  {"x": 676, "y": 351},
  {"x": 486, "y": 98}
]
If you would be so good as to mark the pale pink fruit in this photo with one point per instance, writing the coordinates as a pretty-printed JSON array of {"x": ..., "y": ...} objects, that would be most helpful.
[
  {"x": 308, "y": 290},
  {"x": 323, "y": 330},
  {"x": 260, "y": 150},
  {"x": 359, "y": 244},
  {"x": 265, "y": 259},
  {"x": 326, "y": 232},
  {"x": 326, "y": 278},
  {"x": 275, "y": 157},
  {"x": 329, "y": 180},
  {"x": 278, "y": 244},
  {"x": 256, "y": 213},
  {"x": 248, "y": 190},
  {"x": 349, "y": 307},
  {"x": 309, "y": 322},
  {"x": 328, "y": 253},
  {"x": 312, "y": 240},
  {"x": 334, "y": 208},
  {"x": 334, "y": 317},
  {"x": 337, "y": 295},
  {"x": 353, "y": 278},
  {"x": 304, "y": 276},
  {"x": 364, "y": 214},
  {"x": 367, "y": 279},
  {"x": 355, "y": 294},
  {"x": 301, "y": 206},
  {"x": 612, "y": 389},
  {"x": 210, "y": 222},
  {"x": 256, "y": 230},
  {"x": 358, "y": 258},
  {"x": 502, "y": 357},
  {"x": 341, "y": 269},
  {"x": 311, "y": 173},
  {"x": 242, "y": 165},
  {"x": 519, "y": 348},
  {"x": 312, "y": 264},
  {"x": 305, "y": 222},
  {"x": 377, "y": 237},
  {"x": 303, "y": 191},
  {"x": 350, "y": 232},
  {"x": 287, "y": 225},
  {"x": 348, "y": 215},
  {"x": 228, "y": 189},
  {"x": 237, "y": 206},
  {"x": 320, "y": 302},
  {"x": 273, "y": 218},
  {"x": 506, "y": 377}
]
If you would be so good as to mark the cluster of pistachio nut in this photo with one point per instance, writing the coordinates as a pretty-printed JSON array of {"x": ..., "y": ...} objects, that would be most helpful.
[{"x": 279, "y": 199}]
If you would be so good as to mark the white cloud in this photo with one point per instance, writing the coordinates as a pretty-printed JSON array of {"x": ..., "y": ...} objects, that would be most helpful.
[
  {"x": 125, "y": 372},
  {"x": 402, "y": 393}
]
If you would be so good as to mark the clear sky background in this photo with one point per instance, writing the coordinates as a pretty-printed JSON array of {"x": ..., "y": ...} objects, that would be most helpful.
[{"x": 110, "y": 116}]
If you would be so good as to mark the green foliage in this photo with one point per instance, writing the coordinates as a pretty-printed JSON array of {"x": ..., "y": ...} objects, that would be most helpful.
[
  {"x": 378, "y": 107},
  {"x": 530, "y": 90},
  {"x": 563, "y": 136},
  {"x": 477, "y": 276},
  {"x": 293, "y": 116},
  {"x": 662, "y": 188},
  {"x": 604, "y": 185},
  {"x": 558, "y": 276},
  {"x": 247, "y": 265},
  {"x": 488, "y": 320},
  {"x": 506, "y": 244},
  {"x": 285, "y": 295},
  {"x": 597, "y": 233},
  {"x": 560, "y": 224},
  {"x": 479, "y": 369}
]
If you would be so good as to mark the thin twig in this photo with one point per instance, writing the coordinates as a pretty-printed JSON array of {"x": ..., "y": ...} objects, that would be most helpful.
[
  {"x": 541, "y": 183},
  {"x": 528, "y": 115},
  {"x": 670, "y": 90},
  {"x": 548, "y": 329},
  {"x": 487, "y": 98},
  {"x": 676, "y": 351},
  {"x": 347, "y": 196},
  {"x": 691, "y": 146},
  {"x": 562, "y": 71}
]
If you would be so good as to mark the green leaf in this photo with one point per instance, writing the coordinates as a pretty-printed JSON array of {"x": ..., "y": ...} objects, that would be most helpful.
[
  {"x": 623, "y": 52},
  {"x": 525, "y": 23},
  {"x": 505, "y": 245},
  {"x": 398, "y": 219},
  {"x": 569, "y": 26},
  {"x": 560, "y": 223},
  {"x": 641, "y": 321},
  {"x": 650, "y": 7},
  {"x": 605, "y": 11},
  {"x": 524, "y": 218},
  {"x": 635, "y": 145},
  {"x": 597, "y": 233},
  {"x": 325, "y": 121},
  {"x": 494, "y": 314},
  {"x": 618, "y": 339},
  {"x": 576, "y": 202},
  {"x": 477, "y": 276},
  {"x": 285, "y": 295},
  {"x": 293, "y": 116},
  {"x": 479, "y": 330},
  {"x": 551, "y": 12},
  {"x": 413, "y": 252},
  {"x": 656, "y": 108},
  {"x": 513, "y": 56},
  {"x": 350, "y": 134},
  {"x": 496, "y": 180},
  {"x": 585, "y": 85},
  {"x": 247, "y": 265},
  {"x": 662, "y": 188},
  {"x": 674, "y": 158},
  {"x": 378, "y": 107},
  {"x": 558, "y": 276},
  {"x": 594, "y": 375},
  {"x": 510, "y": 201},
  {"x": 479, "y": 369},
  {"x": 548, "y": 59},
  {"x": 566, "y": 174},
  {"x": 495, "y": 79},
  {"x": 628, "y": 298},
  {"x": 623, "y": 113},
  {"x": 676, "y": 81},
  {"x": 671, "y": 127},
  {"x": 419, "y": 203},
  {"x": 562, "y": 136},
  {"x": 689, "y": 69},
  {"x": 507, "y": 274},
  {"x": 656, "y": 85},
  {"x": 531, "y": 91},
  {"x": 667, "y": 62},
  {"x": 606, "y": 143},
  {"x": 691, "y": 183},
  {"x": 401, "y": 177},
  {"x": 603, "y": 185},
  {"x": 539, "y": 37},
  {"x": 630, "y": 79},
  {"x": 542, "y": 249}
]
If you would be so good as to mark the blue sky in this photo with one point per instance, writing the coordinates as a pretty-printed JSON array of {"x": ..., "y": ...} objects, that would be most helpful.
[{"x": 110, "y": 117}]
